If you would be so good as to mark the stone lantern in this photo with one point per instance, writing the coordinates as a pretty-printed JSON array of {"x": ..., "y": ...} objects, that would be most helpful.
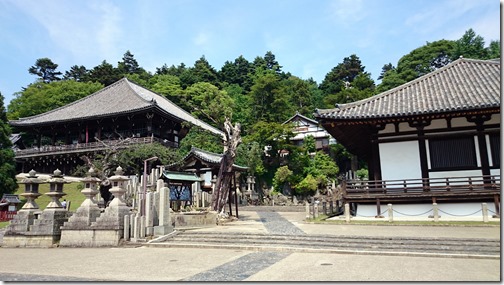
[
  {"x": 31, "y": 193},
  {"x": 56, "y": 183},
  {"x": 118, "y": 189},
  {"x": 91, "y": 184}
]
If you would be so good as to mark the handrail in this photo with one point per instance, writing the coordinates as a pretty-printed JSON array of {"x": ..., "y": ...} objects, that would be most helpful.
[
  {"x": 90, "y": 146},
  {"x": 444, "y": 185}
]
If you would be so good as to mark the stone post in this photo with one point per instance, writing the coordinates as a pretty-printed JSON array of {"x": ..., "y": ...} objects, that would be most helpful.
[
  {"x": 331, "y": 207},
  {"x": 484, "y": 210},
  {"x": 324, "y": 206},
  {"x": 149, "y": 211},
  {"x": 316, "y": 209},
  {"x": 390, "y": 213},
  {"x": 307, "y": 209},
  {"x": 347, "y": 212},
  {"x": 126, "y": 228},
  {"x": 435, "y": 212},
  {"x": 165, "y": 226}
]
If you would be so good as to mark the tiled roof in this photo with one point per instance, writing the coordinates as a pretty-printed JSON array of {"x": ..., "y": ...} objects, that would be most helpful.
[
  {"x": 206, "y": 156},
  {"x": 465, "y": 84},
  {"x": 121, "y": 97},
  {"x": 304, "y": 118}
]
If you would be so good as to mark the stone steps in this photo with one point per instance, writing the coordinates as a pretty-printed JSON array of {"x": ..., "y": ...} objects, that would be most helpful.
[{"x": 476, "y": 248}]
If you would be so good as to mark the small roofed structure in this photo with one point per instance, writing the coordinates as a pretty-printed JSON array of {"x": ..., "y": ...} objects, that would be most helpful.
[
  {"x": 203, "y": 163},
  {"x": 180, "y": 185},
  {"x": 206, "y": 165},
  {"x": 8, "y": 206}
]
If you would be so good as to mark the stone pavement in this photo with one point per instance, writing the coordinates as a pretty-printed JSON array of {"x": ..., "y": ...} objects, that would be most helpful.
[{"x": 195, "y": 264}]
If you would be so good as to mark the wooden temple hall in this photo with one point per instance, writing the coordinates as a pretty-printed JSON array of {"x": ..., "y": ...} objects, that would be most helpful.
[
  {"x": 435, "y": 139},
  {"x": 122, "y": 111}
]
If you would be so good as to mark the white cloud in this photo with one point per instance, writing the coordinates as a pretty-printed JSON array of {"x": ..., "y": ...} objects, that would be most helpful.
[
  {"x": 82, "y": 29},
  {"x": 201, "y": 39},
  {"x": 348, "y": 11}
]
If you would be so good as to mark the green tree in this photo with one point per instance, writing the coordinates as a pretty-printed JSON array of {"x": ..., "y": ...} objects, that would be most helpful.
[
  {"x": 237, "y": 72},
  {"x": 131, "y": 158},
  {"x": 8, "y": 183},
  {"x": 494, "y": 50},
  {"x": 77, "y": 73},
  {"x": 347, "y": 82},
  {"x": 105, "y": 73},
  {"x": 202, "y": 139},
  {"x": 470, "y": 45},
  {"x": 418, "y": 62},
  {"x": 249, "y": 155},
  {"x": 308, "y": 185},
  {"x": 209, "y": 103},
  {"x": 269, "y": 101},
  {"x": 168, "y": 86},
  {"x": 41, "y": 97},
  {"x": 282, "y": 177},
  {"x": 45, "y": 69}
]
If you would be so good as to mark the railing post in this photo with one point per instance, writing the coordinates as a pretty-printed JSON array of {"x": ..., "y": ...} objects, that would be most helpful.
[
  {"x": 484, "y": 211},
  {"x": 390, "y": 213},
  {"x": 347, "y": 212}
]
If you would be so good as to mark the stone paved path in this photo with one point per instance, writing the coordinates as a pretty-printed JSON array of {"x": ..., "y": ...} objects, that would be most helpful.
[{"x": 250, "y": 264}]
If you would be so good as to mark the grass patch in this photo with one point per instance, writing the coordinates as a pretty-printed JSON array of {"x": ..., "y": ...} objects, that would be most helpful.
[
  {"x": 4, "y": 224},
  {"x": 322, "y": 220},
  {"x": 72, "y": 191}
]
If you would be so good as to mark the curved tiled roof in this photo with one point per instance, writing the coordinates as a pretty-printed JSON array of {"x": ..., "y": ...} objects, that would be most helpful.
[
  {"x": 118, "y": 98},
  {"x": 206, "y": 156},
  {"x": 465, "y": 84}
]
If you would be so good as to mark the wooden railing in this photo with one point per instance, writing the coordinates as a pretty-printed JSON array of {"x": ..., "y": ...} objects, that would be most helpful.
[
  {"x": 447, "y": 185},
  {"x": 7, "y": 215},
  {"x": 81, "y": 147}
]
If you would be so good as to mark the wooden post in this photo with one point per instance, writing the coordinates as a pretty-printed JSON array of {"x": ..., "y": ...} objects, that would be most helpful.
[
  {"x": 378, "y": 209},
  {"x": 497, "y": 206},
  {"x": 229, "y": 197}
]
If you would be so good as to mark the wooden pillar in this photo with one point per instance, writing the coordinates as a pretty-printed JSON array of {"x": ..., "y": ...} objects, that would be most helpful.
[
  {"x": 378, "y": 209},
  {"x": 229, "y": 196},
  {"x": 374, "y": 161},
  {"x": 482, "y": 146},
  {"x": 497, "y": 206},
  {"x": 422, "y": 150}
]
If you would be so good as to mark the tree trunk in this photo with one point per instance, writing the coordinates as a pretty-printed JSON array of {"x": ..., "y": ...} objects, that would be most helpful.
[{"x": 222, "y": 186}]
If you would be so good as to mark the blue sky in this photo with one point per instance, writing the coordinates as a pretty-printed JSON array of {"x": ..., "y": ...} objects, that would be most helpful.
[{"x": 308, "y": 37}]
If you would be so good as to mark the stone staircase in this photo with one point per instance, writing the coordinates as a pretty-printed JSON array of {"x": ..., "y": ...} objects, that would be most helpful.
[{"x": 410, "y": 246}]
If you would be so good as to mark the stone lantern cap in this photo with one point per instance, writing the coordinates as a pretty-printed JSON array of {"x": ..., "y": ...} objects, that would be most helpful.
[
  {"x": 57, "y": 178},
  {"x": 31, "y": 178},
  {"x": 118, "y": 175},
  {"x": 91, "y": 177}
]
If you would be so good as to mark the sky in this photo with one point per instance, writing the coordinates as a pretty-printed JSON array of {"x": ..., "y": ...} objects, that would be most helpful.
[{"x": 307, "y": 37}]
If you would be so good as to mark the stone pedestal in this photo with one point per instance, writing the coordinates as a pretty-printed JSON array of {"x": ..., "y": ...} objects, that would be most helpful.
[
  {"x": 73, "y": 232},
  {"x": 109, "y": 226}
]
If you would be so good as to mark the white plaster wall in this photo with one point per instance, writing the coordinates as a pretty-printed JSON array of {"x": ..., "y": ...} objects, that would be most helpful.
[
  {"x": 461, "y": 122},
  {"x": 389, "y": 128},
  {"x": 494, "y": 120},
  {"x": 437, "y": 124},
  {"x": 400, "y": 160},
  {"x": 415, "y": 211},
  {"x": 495, "y": 171}
]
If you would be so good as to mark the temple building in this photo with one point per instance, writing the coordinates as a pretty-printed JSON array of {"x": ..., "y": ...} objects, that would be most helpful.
[
  {"x": 122, "y": 111},
  {"x": 435, "y": 139}
]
